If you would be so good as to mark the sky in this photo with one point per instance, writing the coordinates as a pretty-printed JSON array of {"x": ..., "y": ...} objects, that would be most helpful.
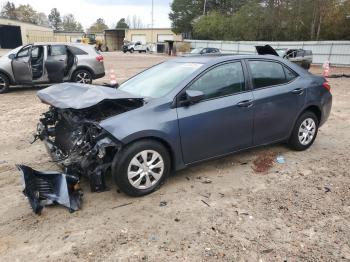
[{"x": 87, "y": 11}]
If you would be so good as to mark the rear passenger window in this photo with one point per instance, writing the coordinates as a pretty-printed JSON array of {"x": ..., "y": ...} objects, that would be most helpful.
[
  {"x": 290, "y": 75},
  {"x": 223, "y": 80},
  {"x": 57, "y": 50},
  {"x": 266, "y": 73}
]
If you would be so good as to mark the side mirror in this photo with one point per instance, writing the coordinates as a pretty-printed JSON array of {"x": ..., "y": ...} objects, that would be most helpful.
[
  {"x": 11, "y": 56},
  {"x": 191, "y": 97}
]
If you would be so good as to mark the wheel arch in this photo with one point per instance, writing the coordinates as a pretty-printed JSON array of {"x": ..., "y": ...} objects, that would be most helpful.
[
  {"x": 9, "y": 78},
  {"x": 162, "y": 141},
  {"x": 83, "y": 68},
  {"x": 314, "y": 109}
]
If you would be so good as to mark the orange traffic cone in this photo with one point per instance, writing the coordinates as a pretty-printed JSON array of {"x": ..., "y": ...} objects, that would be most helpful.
[
  {"x": 112, "y": 78},
  {"x": 326, "y": 69}
]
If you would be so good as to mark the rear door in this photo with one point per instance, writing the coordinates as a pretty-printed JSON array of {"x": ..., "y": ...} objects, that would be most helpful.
[
  {"x": 21, "y": 66},
  {"x": 56, "y": 62},
  {"x": 279, "y": 95}
]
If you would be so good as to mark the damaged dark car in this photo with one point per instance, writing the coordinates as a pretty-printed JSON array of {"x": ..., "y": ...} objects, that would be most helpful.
[{"x": 179, "y": 113}]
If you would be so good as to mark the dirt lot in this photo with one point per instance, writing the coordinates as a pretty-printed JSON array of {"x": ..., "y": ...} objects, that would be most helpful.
[{"x": 221, "y": 210}]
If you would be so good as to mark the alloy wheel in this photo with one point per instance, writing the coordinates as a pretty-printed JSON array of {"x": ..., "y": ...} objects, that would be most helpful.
[
  {"x": 145, "y": 169},
  {"x": 83, "y": 78},
  {"x": 307, "y": 131},
  {"x": 2, "y": 83}
]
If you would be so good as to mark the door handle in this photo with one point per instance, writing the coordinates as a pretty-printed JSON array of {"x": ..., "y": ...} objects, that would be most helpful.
[
  {"x": 246, "y": 103},
  {"x": 298, "y": 91}
]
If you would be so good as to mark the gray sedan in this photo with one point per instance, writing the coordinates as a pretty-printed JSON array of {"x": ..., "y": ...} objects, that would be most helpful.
[
  {"x": 43, "y": 63},
  {"x": 179, "y": 113}
]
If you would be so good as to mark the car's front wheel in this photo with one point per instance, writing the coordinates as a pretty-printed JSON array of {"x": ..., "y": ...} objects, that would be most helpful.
[
  {"x": 82, "y": 76},
  {"x": 141, "y": 167},
  {"x": 304, "y": 132},
  {"x": 4, "y": 84}
]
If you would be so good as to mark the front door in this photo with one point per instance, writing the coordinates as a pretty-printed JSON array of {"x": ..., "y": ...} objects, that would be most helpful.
[
  {"x": 279, "y": 95},
  {"x": 21, "y": 66},
  {"x": 223, "y": 121}
]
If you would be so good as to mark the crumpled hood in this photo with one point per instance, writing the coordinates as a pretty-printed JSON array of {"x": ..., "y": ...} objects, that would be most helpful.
[{"x": 79, "y": 96}]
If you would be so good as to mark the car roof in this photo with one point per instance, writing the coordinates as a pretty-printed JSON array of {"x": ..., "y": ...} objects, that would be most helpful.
[
  {"x": 221, "y": 58},
  {"x": 59, "y": 43}
]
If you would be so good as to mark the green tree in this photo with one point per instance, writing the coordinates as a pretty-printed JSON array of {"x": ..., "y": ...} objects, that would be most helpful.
[
  {"x": 9, "y": 11},
  {"x": 55, "y": 19},
  {"x": 122, "y": 24},
  {"x": 42, "y": 19},
  {"x": 98, "y": 27},
  {"x": 26, "y": 13},
  {"x": 69, "y": 24},
  {"x": 183, "y": 14}
]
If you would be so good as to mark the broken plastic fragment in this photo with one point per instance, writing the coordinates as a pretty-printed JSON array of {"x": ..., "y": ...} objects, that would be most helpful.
[{"x": 47, "y": 188}]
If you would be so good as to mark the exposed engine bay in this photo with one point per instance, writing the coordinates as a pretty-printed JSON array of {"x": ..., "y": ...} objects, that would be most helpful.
[
  {"x": 77, "y": 142},
  {"x": 74, "y": 138}
]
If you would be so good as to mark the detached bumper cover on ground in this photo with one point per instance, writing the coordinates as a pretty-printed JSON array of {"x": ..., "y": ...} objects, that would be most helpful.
[{"x": 47, "y": 188}]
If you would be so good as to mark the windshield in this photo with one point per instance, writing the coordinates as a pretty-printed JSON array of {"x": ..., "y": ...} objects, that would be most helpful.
[
  {"x": 196, "y": 51},
  {"x": 159, "y": 80}
]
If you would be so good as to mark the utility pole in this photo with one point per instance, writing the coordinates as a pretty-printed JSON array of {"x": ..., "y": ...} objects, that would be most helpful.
[
  {"x": 152, "y": 23},
  {"x": 205, "y": 7}
]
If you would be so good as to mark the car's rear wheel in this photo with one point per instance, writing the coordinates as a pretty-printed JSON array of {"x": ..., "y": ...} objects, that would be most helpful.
[
  {"x": 141, "y": 167},
  {"x": 304, "y": 132},
  {"x": 4, "y": 84},
  {"x": 132, "y": 50},
  {"x": 82, "y": 76}
]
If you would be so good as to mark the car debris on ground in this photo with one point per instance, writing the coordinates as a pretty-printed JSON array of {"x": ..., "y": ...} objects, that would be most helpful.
[{"x": 49, "y": 188}]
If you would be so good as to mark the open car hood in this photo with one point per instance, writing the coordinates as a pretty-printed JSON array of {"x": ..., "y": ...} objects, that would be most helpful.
[
  {"x": 79, "y": 96},
  {"x": 266, "y": 50}
]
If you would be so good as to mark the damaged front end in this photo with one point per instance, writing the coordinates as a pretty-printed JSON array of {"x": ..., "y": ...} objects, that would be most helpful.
[
  {"x": 78, "y": 144},
  {"x": 71, "y": 131},
  {"x": 72, "y": 134}
]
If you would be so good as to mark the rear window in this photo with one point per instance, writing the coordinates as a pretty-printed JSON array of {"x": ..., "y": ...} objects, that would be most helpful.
[
  {"x": 267, "y": 73},
  {"x": 76, "y": 51}
]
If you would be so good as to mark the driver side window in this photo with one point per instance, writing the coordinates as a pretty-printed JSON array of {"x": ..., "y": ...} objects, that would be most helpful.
[
  {"x": 223, "y": 80},
  {"x": 24, "y": 52}
]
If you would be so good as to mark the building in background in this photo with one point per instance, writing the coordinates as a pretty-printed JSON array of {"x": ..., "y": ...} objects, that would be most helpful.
[
  {"x": 15, "y": 33},
  {"x": 151, "y": 36}
]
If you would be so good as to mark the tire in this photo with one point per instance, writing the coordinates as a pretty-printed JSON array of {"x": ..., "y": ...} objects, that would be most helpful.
[
  {"x": 123, "y": 165},
  {"x": 309, "y": 134},
  {"x": 132, "y": 50},
  {"x": 140, "y": 52},
  {"x": 82, "y": 76},
  {"x": 124, "y": 51},
  {"x": 4, "y": 83}
]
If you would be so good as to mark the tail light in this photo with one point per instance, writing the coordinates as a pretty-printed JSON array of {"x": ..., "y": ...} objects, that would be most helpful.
[
  {"x": 99, "y": 58},
  {"x": 327, "y": 86}
]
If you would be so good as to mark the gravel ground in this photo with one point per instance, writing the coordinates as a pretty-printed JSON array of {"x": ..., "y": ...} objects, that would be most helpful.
[{"x": 220, "y": 210}]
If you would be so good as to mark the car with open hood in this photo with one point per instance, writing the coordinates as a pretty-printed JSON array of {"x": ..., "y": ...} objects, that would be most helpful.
[
  {"x": 48, "y": 63},
  {"x": 301, "y": 57},
  {"x": 179, "y": 113}
]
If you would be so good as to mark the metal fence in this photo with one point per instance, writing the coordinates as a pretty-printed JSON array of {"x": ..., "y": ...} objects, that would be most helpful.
[{"x": 337, "y": 52}]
